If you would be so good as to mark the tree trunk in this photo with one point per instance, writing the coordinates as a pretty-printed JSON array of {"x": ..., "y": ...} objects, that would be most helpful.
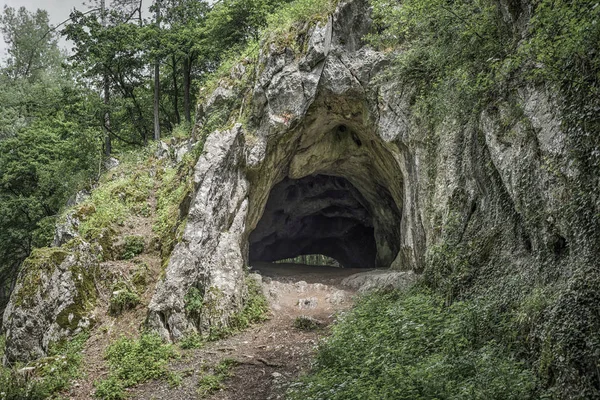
[
  {"x": 157, "y": 82},
  {"x": 187, "y": 72},
  {"x": 106, "y": 90},
  {"x": 175, "y": 91},
  {"x": 107, "y": 139}
]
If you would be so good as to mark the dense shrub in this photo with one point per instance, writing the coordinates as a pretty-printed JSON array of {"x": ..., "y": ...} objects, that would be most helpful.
[{"x": 412, "y": 346}]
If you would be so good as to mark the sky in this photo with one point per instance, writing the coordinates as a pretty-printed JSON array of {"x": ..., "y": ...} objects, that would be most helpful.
[{"x": 58, "y": 11}]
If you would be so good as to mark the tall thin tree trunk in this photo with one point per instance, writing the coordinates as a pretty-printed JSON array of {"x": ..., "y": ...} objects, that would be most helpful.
[
  {"x": 106, "y": 90},
  {"x": 187, "y": 72},
  {"x": 175, "y": 91},
  {"x": 157, "y": 82},
  {"x": 107, "y": 139}
]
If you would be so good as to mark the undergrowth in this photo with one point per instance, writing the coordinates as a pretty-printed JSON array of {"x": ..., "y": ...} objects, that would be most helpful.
[
  {"x": 411, "y": 346},
  {"x": 123, "y": 192},
  {"x": 212, "y": 382},
  {"x": 172, "y": 200},
  {"x": 134, "y": 361},
  {"x": 46, "y": 377},
  {"x": 254, "y": 310}
]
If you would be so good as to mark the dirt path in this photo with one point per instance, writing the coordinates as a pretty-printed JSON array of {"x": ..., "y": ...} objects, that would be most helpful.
[{"x": 270, "y": 355}]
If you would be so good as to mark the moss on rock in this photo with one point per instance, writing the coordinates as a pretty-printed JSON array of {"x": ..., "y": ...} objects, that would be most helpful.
[{"x": 39, "y": 266}]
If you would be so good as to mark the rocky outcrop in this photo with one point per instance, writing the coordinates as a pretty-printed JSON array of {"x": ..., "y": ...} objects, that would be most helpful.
[
  {"x": 323, "y": 155},
  {"x": 53, "y": 299},
  {"x": 331, "y": 160},
  {"x": 380, "y": 280}
]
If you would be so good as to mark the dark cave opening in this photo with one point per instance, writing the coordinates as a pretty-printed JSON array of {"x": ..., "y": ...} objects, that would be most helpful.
[{"x": 317, "y": 214}]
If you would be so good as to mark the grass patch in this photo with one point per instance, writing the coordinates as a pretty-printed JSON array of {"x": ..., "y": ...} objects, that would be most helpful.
[
  {"x": 212, "y": 382},
  {"x": 172, "y": 200},
  {"x": 283, "y": 25},
  {"x": 123, "y": 191},
  {"x": 134, "y": 361},
  {"x": 412, "y": 346},
  {"x": 47, "y": 376}
]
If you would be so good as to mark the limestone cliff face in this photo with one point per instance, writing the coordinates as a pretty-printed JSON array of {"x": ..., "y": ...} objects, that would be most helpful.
[
  {"x": 325, "y": 156},
  {"x": 484, "y": 189}
]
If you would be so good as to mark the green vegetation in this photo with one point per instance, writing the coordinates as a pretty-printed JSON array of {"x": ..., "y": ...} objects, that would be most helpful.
[
  {"x": 41, "y": 262},
  {"x": 305, "y": 323},
  {"x": 192, "y": 341},
  {"x": 412, "y": 346},
  {"x": 197, "y": 304},
  {"x": 122, "y": 299},
  {"x": 210, "y": 383},
  {"x": 133, "y": 246},
  {"x": 133, "y": 361},
  {"x": 173, "y": 197},
  {"x": 47, "y": 376},
  {"x": 55, "y": 127},
  {"x": 194, "y": 302},
  {"x": 255, "y": 308},
  {"x": 284, "y": 25},
  {"x": 122, "y": 192},
  {"x": 465, "y": 59}
]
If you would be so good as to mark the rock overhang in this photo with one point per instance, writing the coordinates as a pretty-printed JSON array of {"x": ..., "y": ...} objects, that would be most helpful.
[{"x": 313, "y": 115}]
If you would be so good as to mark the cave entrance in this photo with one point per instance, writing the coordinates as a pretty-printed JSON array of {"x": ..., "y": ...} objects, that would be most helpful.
[
  {"x": 318, "y": 214},
  {"x": 332, "y": 188}
]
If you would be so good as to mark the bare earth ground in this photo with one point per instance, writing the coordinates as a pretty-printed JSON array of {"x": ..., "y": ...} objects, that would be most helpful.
[
  {"x": 269, "y": 355},
  {"x": 272, "y": 354}
]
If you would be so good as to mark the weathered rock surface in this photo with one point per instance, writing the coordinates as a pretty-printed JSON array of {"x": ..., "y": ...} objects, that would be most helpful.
[
  {"x": 380, "y": 279},
  {"x": 53, "y": 299},
  {"x": 332, "y": 161}
]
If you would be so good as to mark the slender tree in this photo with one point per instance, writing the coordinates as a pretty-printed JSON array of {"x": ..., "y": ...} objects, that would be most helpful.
[{"x": 157, "y": 77}]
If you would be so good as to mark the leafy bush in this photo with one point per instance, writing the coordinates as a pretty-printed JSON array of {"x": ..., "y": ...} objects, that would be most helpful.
[
  {"x": 255, "y": 307},
  {"x": 133, "y": 246},
  {"x": 411, "y": 346},
  {"x": 49, "y": 376},
  {"x": 134, "y": 361},
  {"x": 194, "y": 302},
  {"x": 122, "y": 300},
  {"x": 192, "y": 341}
]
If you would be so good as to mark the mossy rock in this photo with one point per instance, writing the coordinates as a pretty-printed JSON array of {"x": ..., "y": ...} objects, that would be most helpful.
[
  {"x": 39, "y": 265},
  {"x": 84, "y": 300}
]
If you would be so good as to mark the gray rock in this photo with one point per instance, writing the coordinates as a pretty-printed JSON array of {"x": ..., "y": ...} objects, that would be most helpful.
[
  {"x": 111, "y": 163},
  {"x": 54, "y": 298},
  {"x": 380, "y": 280},
  {"x": 331, "y": 161},
  {"x": 308, "y": 303}
]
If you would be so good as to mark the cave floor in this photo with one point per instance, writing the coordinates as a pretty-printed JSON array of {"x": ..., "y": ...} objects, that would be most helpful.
[{"x": 270, "y": 355}]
